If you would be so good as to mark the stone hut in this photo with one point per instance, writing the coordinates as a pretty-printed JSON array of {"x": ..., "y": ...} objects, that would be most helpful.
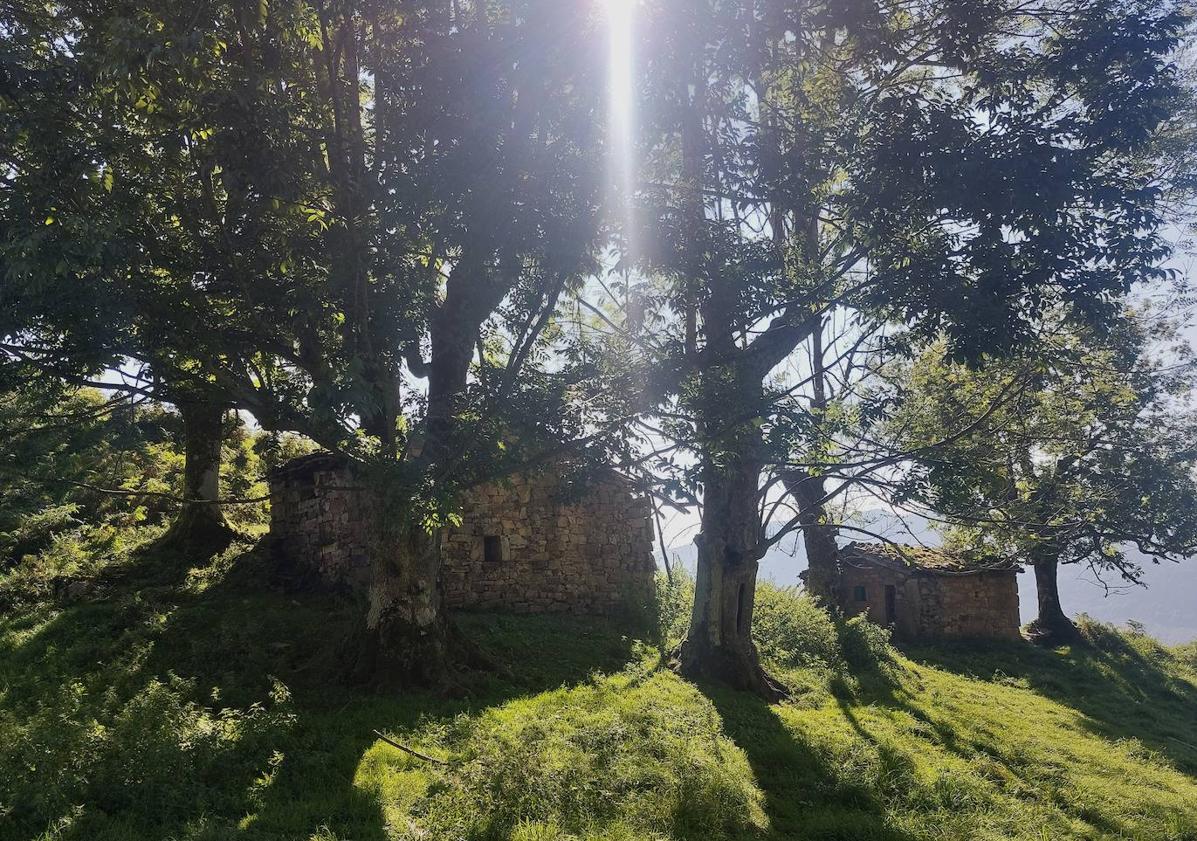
[
  {"x": 533, "y": 543},
  {"x": 928, "y": 593}
]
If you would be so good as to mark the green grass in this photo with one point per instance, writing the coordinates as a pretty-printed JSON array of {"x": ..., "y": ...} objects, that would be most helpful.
[{"x": 178, "y": 703}]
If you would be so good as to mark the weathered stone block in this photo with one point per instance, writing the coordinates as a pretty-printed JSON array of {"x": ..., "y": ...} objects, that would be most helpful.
[{"x": 582, "y": 556}]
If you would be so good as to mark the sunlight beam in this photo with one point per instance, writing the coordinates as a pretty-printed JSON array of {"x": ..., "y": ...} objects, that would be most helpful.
[{"x": 621, "y": 59}]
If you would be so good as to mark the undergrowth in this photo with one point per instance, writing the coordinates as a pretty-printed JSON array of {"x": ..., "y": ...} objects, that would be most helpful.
[{"x": 176, "y": 699}]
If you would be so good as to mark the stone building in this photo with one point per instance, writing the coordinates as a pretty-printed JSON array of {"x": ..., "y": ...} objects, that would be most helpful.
[
  {"x": 533, "y": 543},
  {"x": 928, "y": 593}
]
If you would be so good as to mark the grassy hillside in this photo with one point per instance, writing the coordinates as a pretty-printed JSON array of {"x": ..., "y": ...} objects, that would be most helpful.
[{"x": 157, "y": 701}]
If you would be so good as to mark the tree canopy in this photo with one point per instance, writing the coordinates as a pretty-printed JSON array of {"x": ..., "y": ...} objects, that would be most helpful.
[
  {"x": 1070, "y": 456},
  {"x": 377, "y": 225}
]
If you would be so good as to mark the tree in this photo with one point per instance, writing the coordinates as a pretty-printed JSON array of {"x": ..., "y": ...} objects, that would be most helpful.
[
  {"x": 95, "y": 231},
  {"x": 309, "y": 208},
  {"x": 83, "y": 468},
  {"x": 956, "y": 170},
  {"x": 809, "y": 486},
  {"x": 1065, "y": 457},
  {"x": 304, "y": 210}
]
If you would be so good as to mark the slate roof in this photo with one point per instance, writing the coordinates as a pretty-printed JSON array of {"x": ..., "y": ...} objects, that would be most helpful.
[{"x": 921, "y": 558}]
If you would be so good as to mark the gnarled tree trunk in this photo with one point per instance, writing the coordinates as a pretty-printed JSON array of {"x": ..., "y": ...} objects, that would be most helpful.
[
  {"x": 1052, "y": 626},
  {"x": 200, "y": 524},
  {"x": 719, "y": 643},
  {"x": 407, "y": 637}
]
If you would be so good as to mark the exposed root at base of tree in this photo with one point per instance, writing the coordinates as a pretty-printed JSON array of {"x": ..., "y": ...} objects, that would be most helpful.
[
  {"x": 196, "y": 532},
  {"x": 439, "y": 659},
  {"x": 1050, "y": 634},
  {"x": 737, "y": 668}
]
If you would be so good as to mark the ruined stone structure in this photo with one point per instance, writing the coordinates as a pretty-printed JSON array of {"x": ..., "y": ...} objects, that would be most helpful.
[
  {"x": 925, "y": 593},
  {"x": 530, "y": 544}
]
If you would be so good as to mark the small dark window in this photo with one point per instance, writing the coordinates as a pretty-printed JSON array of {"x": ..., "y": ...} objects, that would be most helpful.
[
  {"x": 859, "y": 594},
  {"x": 492, "y": 549}
]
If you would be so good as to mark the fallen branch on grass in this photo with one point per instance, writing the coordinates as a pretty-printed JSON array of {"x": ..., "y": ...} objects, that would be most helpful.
[{"x": 406, "y": 749}]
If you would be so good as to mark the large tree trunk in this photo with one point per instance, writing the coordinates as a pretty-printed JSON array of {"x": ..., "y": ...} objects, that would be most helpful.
[
  {"x": 719, "y": 644},
  {"x": 822, "y": 553},
  {"x": 1052, "y": 626},
  {"x": 200, "y": 524},
  {"x": 408, "y": 639},
  {"x": 405, "y": 638}
]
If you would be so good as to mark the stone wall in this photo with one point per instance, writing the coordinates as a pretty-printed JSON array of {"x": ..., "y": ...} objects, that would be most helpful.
[
  {"x": 983, "y": 604},
  {"x": 931, "y": 604},
  {"x": 317, "y": 522},
  {"x": 531, "y": 544},
  {"x": 870, "y": 582},
  {"x": 555, "y": 553}
]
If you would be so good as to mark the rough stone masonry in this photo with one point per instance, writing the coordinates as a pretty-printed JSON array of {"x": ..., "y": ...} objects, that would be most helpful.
[
  {"x": 533, "y": 543},
  {"x": 927, "y": 593}
]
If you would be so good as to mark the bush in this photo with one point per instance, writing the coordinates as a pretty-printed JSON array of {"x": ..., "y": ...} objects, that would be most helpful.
[
  {"x": 115, "y": 753},
  {"x": 791, "y": 630},
  {"x": 78, "y": 554},
  {"x": 34, "y": 532},
  {"x": 1133, "y": 647},
  {"x": 1186, "y": 654},
  {"x": 1131, "y": 641},
  {"x": 865, "y": 645},
  {"x": 675, "y": 597}
]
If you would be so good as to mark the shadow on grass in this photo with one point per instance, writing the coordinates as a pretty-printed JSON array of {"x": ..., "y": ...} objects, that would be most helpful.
[
  {"x": 156, "y": 705},
  {"x": 804, "y": 795},
  {"x": 1121, "y": 691}
]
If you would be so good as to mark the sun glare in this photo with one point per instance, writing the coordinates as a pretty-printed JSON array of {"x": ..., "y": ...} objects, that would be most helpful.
[{"x": 621, "y": 59}]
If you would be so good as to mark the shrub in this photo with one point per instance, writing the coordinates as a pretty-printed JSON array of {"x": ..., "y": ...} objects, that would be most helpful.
[
  {"x": 1131, "y": 641},
  {"x": 864, "y": 644},
  {"x": 675, "y": 597},
  {"x": 78, "y": 554},
  {"x": 115, "y": 753},
  {"x": 791, "y": 630},
  {"x": 1186, "y": 654},
  {"x": 33, "y": 533},
  {"x": 1134, "y": 648}
]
